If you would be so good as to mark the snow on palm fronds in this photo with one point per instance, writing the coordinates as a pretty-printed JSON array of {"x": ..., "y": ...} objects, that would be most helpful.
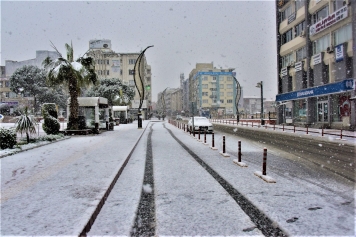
[{"x": 25, "y": 124}]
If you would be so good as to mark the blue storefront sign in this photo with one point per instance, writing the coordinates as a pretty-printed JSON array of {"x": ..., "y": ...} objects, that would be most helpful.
[{"x": 338, "y": 87}]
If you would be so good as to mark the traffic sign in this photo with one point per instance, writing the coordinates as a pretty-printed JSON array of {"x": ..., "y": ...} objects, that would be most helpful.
[{"x": 1, "y": 116}]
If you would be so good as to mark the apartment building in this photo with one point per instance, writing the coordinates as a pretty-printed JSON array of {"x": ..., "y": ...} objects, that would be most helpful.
[
  {"x": 11, "y": 98},
  {"x": 316, "y": 67},
  {"x": 109, "y": 64},
  {"x": 212, "y": 91}
]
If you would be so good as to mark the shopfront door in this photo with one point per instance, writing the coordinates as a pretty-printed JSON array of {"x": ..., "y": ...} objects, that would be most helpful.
[{"x": 323, "y": 111}]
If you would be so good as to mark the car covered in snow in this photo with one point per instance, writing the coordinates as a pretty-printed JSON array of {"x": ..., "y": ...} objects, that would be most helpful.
[{"x": 201, "y": 124}]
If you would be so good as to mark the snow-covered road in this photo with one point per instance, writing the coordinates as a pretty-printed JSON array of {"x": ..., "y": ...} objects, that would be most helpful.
[{"x": 53, "y": 190}]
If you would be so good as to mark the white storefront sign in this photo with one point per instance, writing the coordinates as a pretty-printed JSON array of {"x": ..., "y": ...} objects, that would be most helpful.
[
  {"x": 298, "y": 66},
  {"x": 317, "y": 59},
  {"x": 136, "y": 103},
  {"x": 329, "y": 21},
  {"x": 284, "y": 72}
]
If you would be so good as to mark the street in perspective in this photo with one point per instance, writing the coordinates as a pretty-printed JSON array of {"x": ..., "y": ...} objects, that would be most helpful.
[
  {"x": 169, "y": 182},
  {"x": 178, "y": 118}
]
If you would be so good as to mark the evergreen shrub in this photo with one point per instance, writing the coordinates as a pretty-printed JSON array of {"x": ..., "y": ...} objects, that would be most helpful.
[
  {"x": 7, "y": 138},
  {"x": 51, "y": 124}
]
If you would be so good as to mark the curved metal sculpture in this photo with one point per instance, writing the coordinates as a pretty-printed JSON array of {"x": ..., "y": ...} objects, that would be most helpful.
[
  {"x": 237, "y": 99},
  {"x": 139, "y": 85}
]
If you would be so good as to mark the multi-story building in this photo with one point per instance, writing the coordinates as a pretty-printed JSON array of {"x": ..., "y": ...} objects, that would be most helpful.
[
  {"x": 316, "y": 67},
  {"x": 109, "y": 64},
  {"x": 11, "y": 98},
  {"x": 212, "y": 91}
]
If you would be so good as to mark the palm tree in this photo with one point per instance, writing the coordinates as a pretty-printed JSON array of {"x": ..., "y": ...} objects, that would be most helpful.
[
  {"x": 75, "y": 74},
  {"x": 26, "y": 124}
]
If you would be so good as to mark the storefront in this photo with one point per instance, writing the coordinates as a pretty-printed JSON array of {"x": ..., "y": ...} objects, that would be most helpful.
[{"x": 322, "y": 106}]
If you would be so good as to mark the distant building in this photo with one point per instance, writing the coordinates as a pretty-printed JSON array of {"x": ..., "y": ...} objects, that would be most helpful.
[
  {"x": 316, "y": 66},
  {"x": 9, "y": 97},
  {"x": 212, "y": 91},
  {"x": 110, "y": 64}
]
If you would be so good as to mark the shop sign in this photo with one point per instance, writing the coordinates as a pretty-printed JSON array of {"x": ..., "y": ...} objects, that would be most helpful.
[
  {"x": 298, "y": 66},
  {"x": 328, "y": 21},
  {"x": 339, "y": 53},
  {"x": 284, "y": 71},
  {"x": 317, "y": 59},
  {"x": 338, "y": 87}
]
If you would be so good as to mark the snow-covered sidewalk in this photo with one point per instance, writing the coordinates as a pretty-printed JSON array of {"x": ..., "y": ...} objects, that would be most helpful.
[{"x": 54, "y": 189}]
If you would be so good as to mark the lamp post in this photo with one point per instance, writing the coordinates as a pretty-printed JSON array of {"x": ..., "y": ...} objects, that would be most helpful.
[
  {"x": 260, "y": 85},
  {"x": 237, "y": 99},
  {"x": 139, "y": 83}
]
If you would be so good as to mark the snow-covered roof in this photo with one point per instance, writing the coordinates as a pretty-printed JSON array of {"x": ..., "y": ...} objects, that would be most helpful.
[
  {"x": 119, "y": 108},
  {"x": 91, "y": 101}
]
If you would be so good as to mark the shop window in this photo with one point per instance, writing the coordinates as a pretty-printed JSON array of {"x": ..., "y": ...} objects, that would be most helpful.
[
  {"x": 300, "y": 111},
  {"x": 343, "y": 34},
  {"x": 321, "y": 44},
  {"x": 319, "y": 15},
  {"x": 341, "y": 106}
]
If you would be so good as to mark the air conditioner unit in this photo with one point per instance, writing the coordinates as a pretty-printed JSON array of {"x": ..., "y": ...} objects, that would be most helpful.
[
  {"x": 347, "y": 2},
  {"x": 302, "y": 33},
  {"x": 330, "y": 49}
]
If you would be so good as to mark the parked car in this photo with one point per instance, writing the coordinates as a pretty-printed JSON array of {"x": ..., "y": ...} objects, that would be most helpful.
[
  {"x": 179, "y": 117},
  {"x": 201, "y": 124}
]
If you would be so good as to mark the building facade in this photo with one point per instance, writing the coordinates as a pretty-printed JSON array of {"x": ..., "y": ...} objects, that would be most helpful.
[
  {"x": 212, "y": 91},
  {"x": 7, "y": 96},
  {"x": 316, "y": 66},
  {"x": 109, "y": 64}
]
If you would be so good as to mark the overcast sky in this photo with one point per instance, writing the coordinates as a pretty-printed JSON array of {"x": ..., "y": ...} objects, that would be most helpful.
[{"x": 232, "y": 34}]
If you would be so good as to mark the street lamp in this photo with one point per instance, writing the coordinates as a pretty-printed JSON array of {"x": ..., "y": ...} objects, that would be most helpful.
[
  {"x": 260, "y": 85},
  {"x": 139, "y": 85},
  {"x": 237, "y": 99}
]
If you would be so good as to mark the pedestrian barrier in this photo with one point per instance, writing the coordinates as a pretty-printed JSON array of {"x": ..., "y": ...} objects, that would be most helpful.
[
  {"x": 223, "y": 153},
  {"x": 238, "y": 161}
]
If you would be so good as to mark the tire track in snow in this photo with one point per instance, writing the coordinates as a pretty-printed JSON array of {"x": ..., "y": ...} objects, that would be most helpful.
[
  {"x": 263, "y": 223},
  {"x": 145, "y": 221}
]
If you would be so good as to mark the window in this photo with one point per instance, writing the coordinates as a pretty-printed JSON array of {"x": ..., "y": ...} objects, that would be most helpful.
[
  {"x": 7, "y": 95},
  {"x": 107, "y": 62},
  {"x": 131, "y": 72},
  {"x": 221, "y": 86},
  {"x": 229, "y": 101},
  {"x": 337, "y": 4},
  {"x": 221, "y": 94},
  {"x": 229, "y": 78},
  {"x": 205, "y": 101},
  {"x": 204, "y": 86},
  {"x": 287, "y": 12},
  {"x": 221, "y": 78},
  {"x": 120, "y": 71},
  {"x": 301, "y": 54},
  {"x": 205, "y": 78},
  {"x": 299, "y": 28},
  {"x": 214, "y": 93},
  {"x": 222, "y": 101},
  {"x": 321, "y": 44},
  {"x": 214, "y": 78},
  {"x": 132, "y": 61},
  {"x": 319, "y": 15},
  {"x": 229, "y": 94},
  {"x": 229, "y": 86},
  {"x": 286, "y": 60},
  {"x": 107, "y": 72},
  {"x": 7, "y": 84},
  {"x": 343, "y": 34},
  {"x": 288, "y": 36},
  {"x": 204, "y": 93},
  {"x": 299, "y": 4},
  {"x": 148, "y": 71}
]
